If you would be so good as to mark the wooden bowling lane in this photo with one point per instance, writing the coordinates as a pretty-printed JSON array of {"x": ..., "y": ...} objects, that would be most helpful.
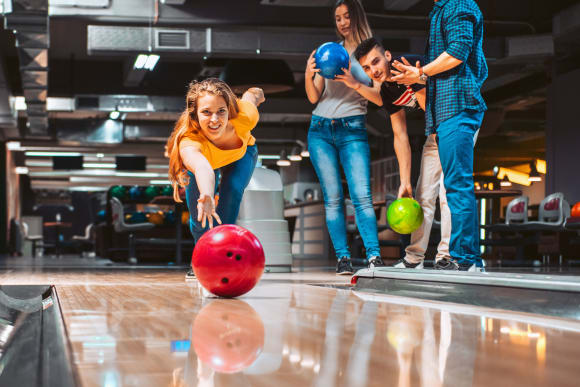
[{"x": 154, "y": 329}]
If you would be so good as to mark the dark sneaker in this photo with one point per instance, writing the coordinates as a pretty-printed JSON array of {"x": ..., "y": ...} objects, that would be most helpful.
[
  {"x": 403, "y": 264},
  {"x": 190, "y": 274},
  {"x": 446, "y": 264},
  {"x": 376, "y": 261},
  {"x": 344, "y": 267}
]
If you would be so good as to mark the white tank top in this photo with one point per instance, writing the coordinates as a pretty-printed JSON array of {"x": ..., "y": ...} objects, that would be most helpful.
[{"x": 338, "y": 100}]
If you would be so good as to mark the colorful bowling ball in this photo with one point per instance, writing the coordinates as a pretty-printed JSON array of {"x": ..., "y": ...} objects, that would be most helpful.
[
  {"x": 185, "y": 218},
  {"x": 228, "y": 335},
  {"x": 181, "y": 192},
  {"x": 405, "y": 215},
  {"x": 156, "y": 218},
  {"x": 170, "y": 218},
  {"x": 135, "y": 192},
  {"x": 151, "y": 192},
  {"x": 119, "y": 192},
  {"x": 575, "y": 210},
  {"x": 101, "y": 216},
  {"x": 331, "y": 58},
  {"x": 228, "y": 260},
  {"x": 139, "y": 217},
  {"x": 167, "y": 190}
]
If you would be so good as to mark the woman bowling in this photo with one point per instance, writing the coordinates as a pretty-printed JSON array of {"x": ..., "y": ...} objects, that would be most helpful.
[
  {"x": 212, "y": 152},
  {"x": 338, "y": 136}
]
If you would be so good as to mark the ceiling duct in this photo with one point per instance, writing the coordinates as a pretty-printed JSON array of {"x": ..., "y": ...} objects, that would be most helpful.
[
  {"x": 539, "y": 46},
  {"x": 29, "y": 20},
  {"x": 273, "y": 75},
  {"x": 129, "y": 103},
  {"x": 8, "y": 123},
  {"x": 80, "y": 3},
  {"x": 567, "y": 21},
  {"x": 399, "y": 5},
  {"x": 115, "y": 39},
  {"x": 299, "y": 3}
]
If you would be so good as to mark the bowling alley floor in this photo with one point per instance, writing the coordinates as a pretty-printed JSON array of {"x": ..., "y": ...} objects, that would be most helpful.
[{"x": 149, "y": 327}]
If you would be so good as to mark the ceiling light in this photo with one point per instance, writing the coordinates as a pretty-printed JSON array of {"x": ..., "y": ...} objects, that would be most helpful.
[
  {"x": 151, "y": 62},
  {"x": 534, "y": 174},
  {"x": 21, "y": 170},
  {"x": 269, "y": 157},
  {"x": 13, "y": 145},
  {"x": 283, "y": 161},
  {"x": 140, "y": 61},
  {"x": 305, "y": 153},
  {"x": 505, "y": 182},
  {"x": 88, "y": 188},
  {"x": 50, "y": 154},
  {"x": 114, "y": 115},
  {"x": 159, "y": 182},
  {"x": 99, "y": 165},
  {"x": 295, "y": 154}
]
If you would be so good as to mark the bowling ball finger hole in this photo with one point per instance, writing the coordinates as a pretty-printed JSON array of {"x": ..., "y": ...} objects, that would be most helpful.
[
  {"x": 225, "y": 280},
  {"x": 238, "y": 257},
  {"x": 229, "y": 254}
]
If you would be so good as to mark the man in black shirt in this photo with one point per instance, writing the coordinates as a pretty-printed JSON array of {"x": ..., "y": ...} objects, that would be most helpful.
[{"x": 377, "y": 63}]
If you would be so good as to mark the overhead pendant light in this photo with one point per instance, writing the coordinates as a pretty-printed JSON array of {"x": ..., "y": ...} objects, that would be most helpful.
[
  {"x": 534, "y": 174},
  {"x": 505, "y": 182},
  {"x": 295, "y": 155},
  {"x": 305, "y": 152},
  {"x": 271, "y": 75},
  {"x": 283, "y": 161},
  {"x": 146, "y": 62}
]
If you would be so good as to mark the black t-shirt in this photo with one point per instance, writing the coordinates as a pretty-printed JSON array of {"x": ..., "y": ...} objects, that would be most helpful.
[{"x": 396, "y": 97}]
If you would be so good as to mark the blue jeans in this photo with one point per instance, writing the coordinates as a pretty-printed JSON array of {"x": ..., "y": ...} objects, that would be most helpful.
[
  {"x": 344, "y": 141},
  {"x": 230, "y": 183},
  {"x": 455, "y": 140}
]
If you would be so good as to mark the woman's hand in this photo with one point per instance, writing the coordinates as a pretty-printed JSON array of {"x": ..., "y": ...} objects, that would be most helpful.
[
  {"x": 311, "y": 66},
  {"x": 255, "y": 94},
  {"x": 206, "y": 206}
]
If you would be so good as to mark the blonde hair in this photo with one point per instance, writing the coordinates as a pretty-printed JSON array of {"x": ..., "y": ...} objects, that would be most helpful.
[
  {"x": 358, "y": 20},
  {"x": 188, "y": 124}
]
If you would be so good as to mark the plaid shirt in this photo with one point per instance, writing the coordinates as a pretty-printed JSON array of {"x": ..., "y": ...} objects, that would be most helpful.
[{"x": 456, "y": 28}]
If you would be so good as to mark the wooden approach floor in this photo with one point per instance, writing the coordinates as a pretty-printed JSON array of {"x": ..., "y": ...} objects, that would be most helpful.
[{"x": 151, "y": 328}]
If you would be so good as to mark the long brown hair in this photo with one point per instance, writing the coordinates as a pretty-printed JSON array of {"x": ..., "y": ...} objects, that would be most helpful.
[
  {"x": 358, "y": 20},
  {"x": 189, "y": 124}
]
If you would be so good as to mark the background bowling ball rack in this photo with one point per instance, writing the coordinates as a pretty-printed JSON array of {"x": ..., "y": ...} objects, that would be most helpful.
[{"x": 134, "y": 197}]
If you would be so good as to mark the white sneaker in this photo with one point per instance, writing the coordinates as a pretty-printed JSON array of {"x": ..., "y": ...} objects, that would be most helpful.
[{"x": 403, "y": 264}]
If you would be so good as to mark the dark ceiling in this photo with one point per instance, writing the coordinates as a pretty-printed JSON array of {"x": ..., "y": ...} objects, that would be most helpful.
[{"x": 516, "y": 90}]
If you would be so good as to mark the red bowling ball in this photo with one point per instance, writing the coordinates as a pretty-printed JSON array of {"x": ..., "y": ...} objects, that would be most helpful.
[
  {"x": 228, "y": 260},
  {"x": 575, "y": 213},
  {"x": 228, "y": 335}
]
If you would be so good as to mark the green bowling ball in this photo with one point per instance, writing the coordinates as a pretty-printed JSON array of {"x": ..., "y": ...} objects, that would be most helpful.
[
  {"x": 405, "y": 215},
  {"x": 167, "y": 190},
  {"x": 151, "y": 192},
  {"x": 119, "y": 192}
]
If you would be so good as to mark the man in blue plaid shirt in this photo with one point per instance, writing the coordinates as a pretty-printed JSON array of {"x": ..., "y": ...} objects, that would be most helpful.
[{"x": 455, "y": 70}]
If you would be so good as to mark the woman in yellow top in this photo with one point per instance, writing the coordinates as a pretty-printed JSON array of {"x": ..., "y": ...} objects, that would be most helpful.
[{"x": 211, "y": 147}]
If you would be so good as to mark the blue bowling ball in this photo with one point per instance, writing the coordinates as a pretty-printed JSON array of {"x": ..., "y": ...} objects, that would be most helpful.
[
  {"x": 101, "y": 216},
  {"x": 170, "y": 218},
  {"x": 139, "y": 217},
  {"x": 331, "y": 58},
  {"x": 135, "y": 192}
]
